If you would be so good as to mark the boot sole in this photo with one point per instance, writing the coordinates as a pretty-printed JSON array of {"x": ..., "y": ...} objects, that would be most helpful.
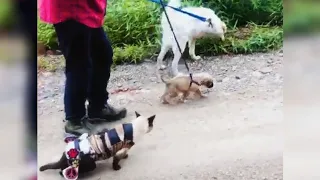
[
  {"x": 120, "y": 116},
  {"x": 74, "y": 132}
]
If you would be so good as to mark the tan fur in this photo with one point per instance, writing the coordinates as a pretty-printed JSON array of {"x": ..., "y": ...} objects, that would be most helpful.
[{"x": 179, "y": 86}]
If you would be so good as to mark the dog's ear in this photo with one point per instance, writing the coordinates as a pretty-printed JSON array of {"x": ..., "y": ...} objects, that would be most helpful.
[
  {"x": 150, "y": 120},
  {"x": 137, "y": 114}
]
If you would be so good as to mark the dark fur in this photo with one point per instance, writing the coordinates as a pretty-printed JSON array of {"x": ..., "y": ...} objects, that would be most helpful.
[
  {"x": 209, "y": 84},
  {"x": 86, "y": 164}
]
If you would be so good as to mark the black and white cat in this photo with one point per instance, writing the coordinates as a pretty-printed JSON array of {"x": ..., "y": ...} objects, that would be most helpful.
[{"x": 82, "y": 152}]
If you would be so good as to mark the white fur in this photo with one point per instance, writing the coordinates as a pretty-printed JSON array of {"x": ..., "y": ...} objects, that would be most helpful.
[
  {"x": 140, "y": 127},
  {"x": 187, "y": 29}
]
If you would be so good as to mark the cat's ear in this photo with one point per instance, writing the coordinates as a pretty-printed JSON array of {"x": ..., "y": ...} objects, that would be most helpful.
[
  {"x": 137, "y": 114},
  {"x": 150, "y": 120}
]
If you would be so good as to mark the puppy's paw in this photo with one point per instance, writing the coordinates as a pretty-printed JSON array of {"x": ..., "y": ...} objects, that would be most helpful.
[
  {"x": 185, "y": 101},
  {"x": 203, "y": 96},
  {"x": 116, "y": 167},
  {"x": 196, "y": 58}
]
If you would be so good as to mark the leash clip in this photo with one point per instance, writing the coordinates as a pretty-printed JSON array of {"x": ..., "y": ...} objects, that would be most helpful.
[{"x": 210, "y": 22}]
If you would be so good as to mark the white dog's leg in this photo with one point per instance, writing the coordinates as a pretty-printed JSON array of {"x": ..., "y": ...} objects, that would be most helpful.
[
  {"x": 164, "y": 49},
  {"x": 177, "y": 55},
  {"x": 192, "y": 46}
]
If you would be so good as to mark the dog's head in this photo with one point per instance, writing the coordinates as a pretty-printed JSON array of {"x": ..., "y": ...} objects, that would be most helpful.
[
  {"x": 215, "y": 25},
  {"x": 144, "y": 124},
  {"x": 205, "y": 79}
]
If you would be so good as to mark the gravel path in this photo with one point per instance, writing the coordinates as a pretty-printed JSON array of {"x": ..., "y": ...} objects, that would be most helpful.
[{"x": 235, "y": 133}]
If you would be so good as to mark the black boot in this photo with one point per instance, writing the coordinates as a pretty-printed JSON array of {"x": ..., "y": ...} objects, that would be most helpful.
[
  {"x": 106, "y": 114},
  {"x": 76, "y": 127}
]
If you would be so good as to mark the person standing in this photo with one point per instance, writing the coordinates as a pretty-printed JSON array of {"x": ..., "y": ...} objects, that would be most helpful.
[{"x": 88, "y": 55}]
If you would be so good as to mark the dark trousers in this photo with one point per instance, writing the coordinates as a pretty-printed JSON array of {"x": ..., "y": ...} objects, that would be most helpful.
[{"x": 88, "y": 54}]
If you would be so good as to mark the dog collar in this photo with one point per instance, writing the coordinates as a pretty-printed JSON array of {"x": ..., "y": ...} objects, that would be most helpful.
[{"x": 193, "y": 81}]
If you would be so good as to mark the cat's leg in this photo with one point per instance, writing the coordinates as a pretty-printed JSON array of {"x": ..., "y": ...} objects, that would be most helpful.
[
  {"x": 121, "y": 154},
  {"x": 115, "y": 163}
]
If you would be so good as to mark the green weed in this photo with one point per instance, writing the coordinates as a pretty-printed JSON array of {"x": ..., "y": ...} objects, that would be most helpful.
[
  {"x": 249, "y": 39},
  {"x": 133, "y": 28}
]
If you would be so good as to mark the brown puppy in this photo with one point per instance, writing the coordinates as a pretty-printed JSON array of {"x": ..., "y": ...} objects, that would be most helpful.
[{"x": 180, "y": 84}]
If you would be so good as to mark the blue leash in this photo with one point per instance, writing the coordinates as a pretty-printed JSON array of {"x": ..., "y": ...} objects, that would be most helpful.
[{"x": 180, "y": 10}]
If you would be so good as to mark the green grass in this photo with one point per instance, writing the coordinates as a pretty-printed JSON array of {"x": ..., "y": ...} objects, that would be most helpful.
[
  {"x": 133, "y": 28},
  {"x": 7, "y": 16},
  {"x": 302, "y": 17},
  {"x": 249, "y": 39}
]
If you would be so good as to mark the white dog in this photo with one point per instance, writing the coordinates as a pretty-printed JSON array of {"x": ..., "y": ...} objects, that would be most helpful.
[{"x": 187, "y": 29}]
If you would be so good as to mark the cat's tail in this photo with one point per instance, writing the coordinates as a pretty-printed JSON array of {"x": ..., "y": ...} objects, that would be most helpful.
[{"x": 55, "y": 165}]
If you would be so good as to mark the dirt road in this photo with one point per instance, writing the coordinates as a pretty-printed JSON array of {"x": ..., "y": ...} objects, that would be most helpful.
[{"x": 235, "y": 133}]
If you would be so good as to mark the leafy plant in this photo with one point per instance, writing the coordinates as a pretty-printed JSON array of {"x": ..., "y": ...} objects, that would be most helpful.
[{"x": 133, "y": 27}]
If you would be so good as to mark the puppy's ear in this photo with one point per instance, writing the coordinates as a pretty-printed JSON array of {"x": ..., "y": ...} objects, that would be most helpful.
[
  {"x": 137, "y": 114},
  {"x": 150, "y": 120}
]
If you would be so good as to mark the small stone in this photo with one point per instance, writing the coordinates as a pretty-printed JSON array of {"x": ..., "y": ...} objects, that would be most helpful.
[
  {"x": 225, "y": 79},
  {"x": 153, "y": 79},
  {"x": 119, "y": 85},
  {"x": 242, "y": 92},
  {"x": 46, "y": 74},
  {"x": 224, "y": 68},
  {"x": 266, "y": 70},
  {"x": 219, "y": 80},
  {"x": 234, "y": 68},
  {"x": 237, "y": 77},
  {"x": 256, "y": 74}
]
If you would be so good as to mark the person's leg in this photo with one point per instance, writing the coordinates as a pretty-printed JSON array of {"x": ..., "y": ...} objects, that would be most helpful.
[
  {"x": 101, "y": 61},
  {"x": 74, "y": 39}
]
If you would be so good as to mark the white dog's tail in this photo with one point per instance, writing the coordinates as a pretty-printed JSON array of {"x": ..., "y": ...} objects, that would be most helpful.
[{"x": 174, "y": 3}]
